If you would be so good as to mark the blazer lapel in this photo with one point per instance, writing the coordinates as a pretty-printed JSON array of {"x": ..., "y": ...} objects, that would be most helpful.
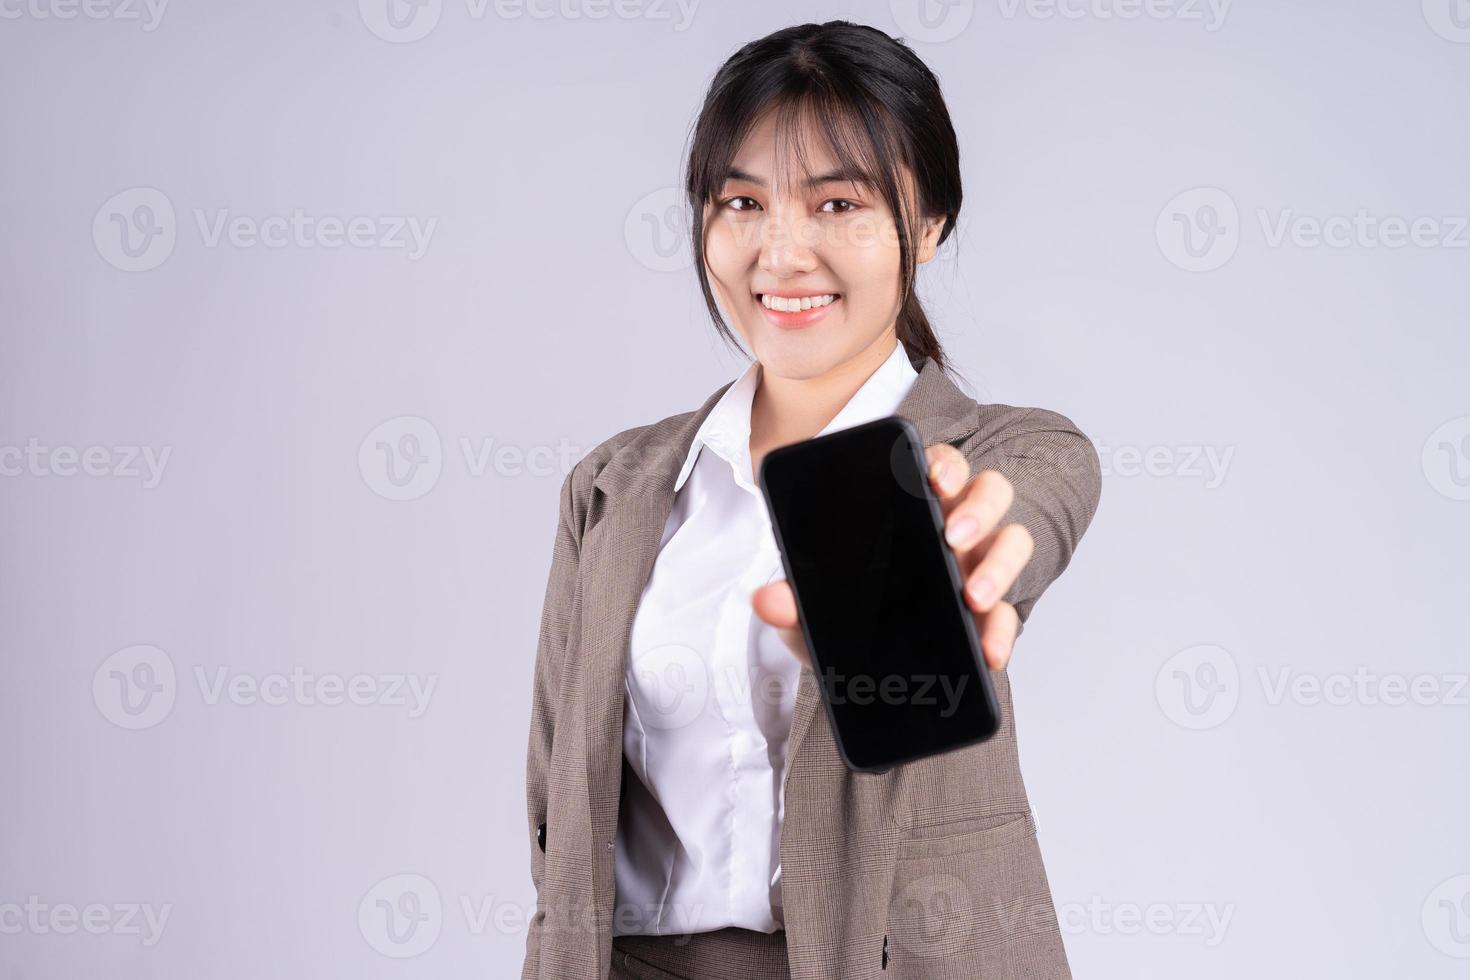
[
  {"x": 619, "y": 554},
  {"x": 637, "y": 490}
]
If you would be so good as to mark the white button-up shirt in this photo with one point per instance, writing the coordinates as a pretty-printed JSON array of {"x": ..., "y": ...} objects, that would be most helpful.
[{"x": 710, "y": 689}]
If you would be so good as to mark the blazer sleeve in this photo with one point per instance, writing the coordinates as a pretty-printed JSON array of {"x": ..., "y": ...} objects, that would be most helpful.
[
  {"x": 1057, "y": 478},
  {"x": 556, "y": 612}
]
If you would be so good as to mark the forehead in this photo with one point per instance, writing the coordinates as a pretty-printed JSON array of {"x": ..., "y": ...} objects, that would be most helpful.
[{"x": 777, "y": 149}]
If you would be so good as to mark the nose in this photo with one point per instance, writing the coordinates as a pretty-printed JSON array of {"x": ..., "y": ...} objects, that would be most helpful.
[{"x": 787, "y": 244}]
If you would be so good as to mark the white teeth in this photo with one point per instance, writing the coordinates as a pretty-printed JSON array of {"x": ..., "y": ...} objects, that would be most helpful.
[{"x": 796, "y": 304}]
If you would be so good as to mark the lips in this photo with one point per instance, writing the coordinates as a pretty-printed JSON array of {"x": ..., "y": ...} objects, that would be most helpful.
[{"x": 795, "y": 319}]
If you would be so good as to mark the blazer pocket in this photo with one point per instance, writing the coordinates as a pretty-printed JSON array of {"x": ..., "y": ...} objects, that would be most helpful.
[
  {"x": 965, "y": 835},
  {"x": 970, "y": 898}
]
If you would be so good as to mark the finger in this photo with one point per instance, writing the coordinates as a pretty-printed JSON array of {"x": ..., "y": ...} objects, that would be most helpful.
[
  {"x": 775, "y": 604},
  {"x": 998, "y": 634},
  {"x": 985, "y": 502},
  {"x": 949, "y": 471},
  {"x": 997, "y": 570}
]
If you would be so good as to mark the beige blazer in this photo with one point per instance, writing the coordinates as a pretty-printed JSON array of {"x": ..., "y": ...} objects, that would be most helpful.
[{"x": 930, "y": 870}]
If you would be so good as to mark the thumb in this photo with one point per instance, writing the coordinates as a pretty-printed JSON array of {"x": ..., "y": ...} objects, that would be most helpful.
[{"x": 775, "y": 605}]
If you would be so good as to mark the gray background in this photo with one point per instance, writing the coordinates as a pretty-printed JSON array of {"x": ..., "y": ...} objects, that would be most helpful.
[{"x": 1243, "y": 709}]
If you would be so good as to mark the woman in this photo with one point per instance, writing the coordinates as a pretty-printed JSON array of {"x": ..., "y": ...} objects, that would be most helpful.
[{"x": 689, "y": 812}]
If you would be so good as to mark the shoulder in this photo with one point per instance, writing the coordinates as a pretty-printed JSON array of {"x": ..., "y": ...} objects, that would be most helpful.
[
  {"x": 577, "y": 488},
  {"x": 636, "y": 438},
  {"x": 998, "y": 424},
  {"x": 941, "y": 401}
]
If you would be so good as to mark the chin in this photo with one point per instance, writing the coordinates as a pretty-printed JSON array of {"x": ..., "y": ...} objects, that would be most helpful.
[{"x": 794, "y": 358}]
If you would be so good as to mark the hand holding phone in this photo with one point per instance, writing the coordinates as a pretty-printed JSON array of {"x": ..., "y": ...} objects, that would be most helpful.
[{"x": 884, "y": 618}]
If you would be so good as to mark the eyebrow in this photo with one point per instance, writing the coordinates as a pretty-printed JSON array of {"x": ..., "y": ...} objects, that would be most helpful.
[{"x": 843, "y": 175}]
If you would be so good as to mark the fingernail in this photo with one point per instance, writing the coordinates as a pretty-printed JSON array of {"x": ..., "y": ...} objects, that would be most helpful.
[
  {"x": 982, "y": 589},
  {"x": 938, "y": 471},
  {"x": 961, "y": 530}
]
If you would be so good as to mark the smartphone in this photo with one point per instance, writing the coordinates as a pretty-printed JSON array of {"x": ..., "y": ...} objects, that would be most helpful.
[{"x": 879, "y": 594}]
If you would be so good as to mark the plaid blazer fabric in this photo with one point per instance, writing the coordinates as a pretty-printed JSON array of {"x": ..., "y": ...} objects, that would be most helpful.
[{"x": 931, "y": 870}]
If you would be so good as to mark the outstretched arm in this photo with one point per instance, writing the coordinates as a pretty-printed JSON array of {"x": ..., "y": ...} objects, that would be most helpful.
[{"x": 1017, "y": 497}]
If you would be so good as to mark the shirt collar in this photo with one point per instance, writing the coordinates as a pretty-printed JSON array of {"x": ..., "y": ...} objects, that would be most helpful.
[{"x": 726, "y": 429}]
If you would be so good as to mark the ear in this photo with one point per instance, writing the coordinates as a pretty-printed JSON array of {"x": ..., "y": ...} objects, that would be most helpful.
[{"x": 929, "y": 238}]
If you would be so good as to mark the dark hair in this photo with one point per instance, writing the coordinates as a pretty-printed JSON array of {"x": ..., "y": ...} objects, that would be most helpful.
[{"x": 878, "y": 106}]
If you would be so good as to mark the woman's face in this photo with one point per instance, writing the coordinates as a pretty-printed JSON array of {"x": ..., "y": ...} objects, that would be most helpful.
[{"x": 808, "y": 275}]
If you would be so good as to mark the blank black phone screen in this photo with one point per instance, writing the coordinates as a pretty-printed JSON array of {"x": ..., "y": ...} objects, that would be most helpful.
[{"x": 893, "y": 645}]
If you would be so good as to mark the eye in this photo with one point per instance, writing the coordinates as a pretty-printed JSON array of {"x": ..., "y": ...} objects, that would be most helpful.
[
  {"x": 850, "y": 206},
  {"x": 749, "y": 205}
]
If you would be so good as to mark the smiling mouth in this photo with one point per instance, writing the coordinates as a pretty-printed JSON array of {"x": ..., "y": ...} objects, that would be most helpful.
[
  {"x": 796, "y": 312},
  {"x": 796, "y": 304}
]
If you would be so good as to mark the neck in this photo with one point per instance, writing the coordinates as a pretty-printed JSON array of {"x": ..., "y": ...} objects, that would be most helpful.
[{"x": 787, "y": 410}]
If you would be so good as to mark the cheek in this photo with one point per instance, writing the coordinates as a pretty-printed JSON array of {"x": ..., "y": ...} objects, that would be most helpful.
[
  {"x": 866, "y": 259},
  {"x": 725, "y": 252}
]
